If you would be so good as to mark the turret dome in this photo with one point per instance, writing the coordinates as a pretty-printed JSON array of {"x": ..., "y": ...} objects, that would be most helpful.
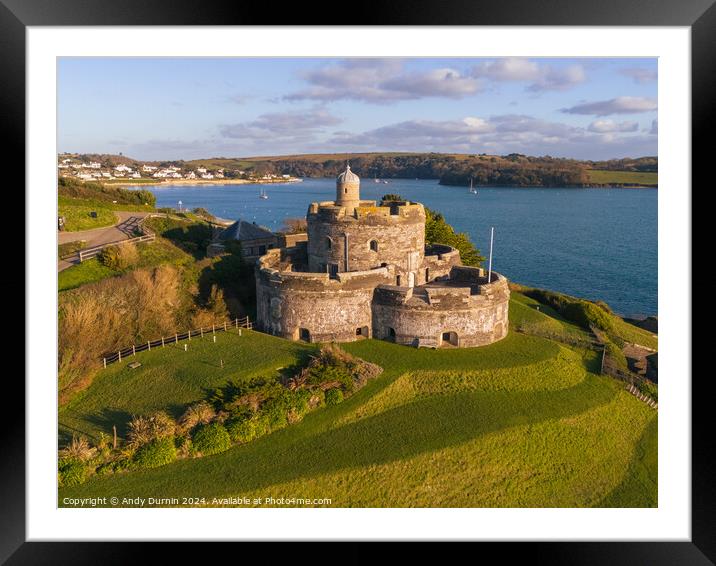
[{"x": 348, "y": 176}]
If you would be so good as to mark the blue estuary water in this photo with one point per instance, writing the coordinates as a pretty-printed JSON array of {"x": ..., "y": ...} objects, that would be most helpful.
[{"x": 591, "y": 243}]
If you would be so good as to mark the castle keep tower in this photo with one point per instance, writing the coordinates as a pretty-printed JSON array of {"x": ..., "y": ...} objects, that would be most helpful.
[
  {"x": 348, "y": 190},
  {"x": 365, "y": 271}
]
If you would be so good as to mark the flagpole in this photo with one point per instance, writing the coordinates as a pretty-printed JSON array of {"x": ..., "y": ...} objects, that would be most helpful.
[{"x": 489, "y": 265}]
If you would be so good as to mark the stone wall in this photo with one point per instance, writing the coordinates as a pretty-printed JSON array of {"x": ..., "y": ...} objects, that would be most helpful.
[
  {"x": 374, "y": 235},
  {"x": 467, "y": 315},
  {"x": 313, "y": 306}
]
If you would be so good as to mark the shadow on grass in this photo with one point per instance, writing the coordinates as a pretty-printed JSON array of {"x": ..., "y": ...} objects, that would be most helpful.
[
  {"x": 424, "y": 425},
  {"x": 639, "y": 488}
]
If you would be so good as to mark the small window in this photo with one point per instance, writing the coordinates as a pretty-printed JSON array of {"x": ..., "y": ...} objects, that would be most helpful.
[
  {"x": 397, "y": 280},
  {"x": 304, "y": 334},
  {"x": 329, "y": 243},
  {"x": 345, "y": 191},
  {"x": 374, "y": 245},
  {"x": 427, "y": 274}
]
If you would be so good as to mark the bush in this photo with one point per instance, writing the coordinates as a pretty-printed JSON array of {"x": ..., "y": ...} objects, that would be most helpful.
[
  {"x": 199, "y": 413},
  {"x": 145, "y": 429},
  {"x": 72, "y": 471},
  {"x": 156, "y": 453},
  {"x": 211, "y": 439},
  {"x": 334, "y": 396},
  {"x": 119, "y": 257},
  {"x": 243, "y": 431}
]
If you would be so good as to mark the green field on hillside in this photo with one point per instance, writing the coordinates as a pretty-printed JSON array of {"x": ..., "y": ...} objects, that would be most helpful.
[
  {"x": 623, "y": 177},
  {"x": 151, "y": 254},
  {"x": 80, "y": 217},
  {"x": 523, "y": 422}
]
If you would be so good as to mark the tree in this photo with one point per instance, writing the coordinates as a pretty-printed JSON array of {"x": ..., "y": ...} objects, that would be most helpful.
[{"x": 437, "y": 231}]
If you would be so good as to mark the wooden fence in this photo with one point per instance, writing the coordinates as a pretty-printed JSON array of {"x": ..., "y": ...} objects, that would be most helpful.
[
  {"x": 119, "y": 355},
  {"x": 92, "y": 252},
  {"x": 148, "y": 235},
  {"x": 630, "y": 379}
]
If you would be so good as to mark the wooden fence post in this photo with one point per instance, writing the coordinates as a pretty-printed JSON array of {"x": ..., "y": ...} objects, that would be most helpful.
[
  {"x": 134, "y": 351},
  {"x": 213, "y": 329},
  {"x": 104, "y": 361},
  {"x": 202, "y": 331},
  {"x": 190, "y": 335},
  {"x": 236, "y": 321},
  {"x": 149, "y": 345},
  {"x": 114, "y": 437},
  {"x": 224, "y": 326},
  {"x": 119, "y": 354},
  {"x": 176, "y": 338},
  {"x": 162, "y": 341}
]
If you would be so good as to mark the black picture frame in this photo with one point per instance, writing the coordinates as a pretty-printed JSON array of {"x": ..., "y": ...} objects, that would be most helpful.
[{"x": 699, "y": 15}]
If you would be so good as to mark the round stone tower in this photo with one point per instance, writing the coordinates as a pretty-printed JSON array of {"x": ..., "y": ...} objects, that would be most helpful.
[{"x": 348, "y": 190}]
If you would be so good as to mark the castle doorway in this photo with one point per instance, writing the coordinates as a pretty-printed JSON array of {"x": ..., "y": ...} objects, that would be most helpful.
[
  {"x": 304, "y": 334},
  {"x": 449, "y": 339},
  {"x": 391, "y": 334},
  {"x": 362, "y": 332}
]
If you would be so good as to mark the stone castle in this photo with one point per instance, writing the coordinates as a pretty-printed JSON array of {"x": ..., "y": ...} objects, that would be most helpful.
[{"x": 365, "y": 271}]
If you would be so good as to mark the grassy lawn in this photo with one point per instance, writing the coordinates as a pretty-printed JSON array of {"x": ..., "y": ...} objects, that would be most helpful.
[
  {"x": 634, "y": 334},
  {"x": 78, "y": 217},
  {"x": 623, "y": 177},
  {"x": 522, "y": 422},
  {"x": 171, "y": 378}
]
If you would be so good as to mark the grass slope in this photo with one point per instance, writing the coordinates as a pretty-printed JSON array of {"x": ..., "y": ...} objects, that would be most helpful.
[
  {"x": 523, "y": 422},
  {"x": 78, "y": 217}
]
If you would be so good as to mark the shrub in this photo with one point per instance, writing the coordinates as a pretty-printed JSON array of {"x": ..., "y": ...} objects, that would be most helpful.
[
  {"x": 243, "y": 431},
  {"x": 72, "y": 471},
  {"x": 156, "y": 453},
  {"x": 334, "y": 396},
  {"x": 144, "y": 429},
  {"x": 211, "y": 439},
  {"x": 119, "y": 257},
  {"x": 78, "y": 449},
  {"x": 199, "y": 413}
]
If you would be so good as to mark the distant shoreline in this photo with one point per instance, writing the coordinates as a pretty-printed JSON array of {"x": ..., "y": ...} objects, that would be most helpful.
[{"x": 166, "y": 183}]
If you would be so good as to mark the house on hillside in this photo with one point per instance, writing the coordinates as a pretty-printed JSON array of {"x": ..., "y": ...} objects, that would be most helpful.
[
  {"x": 123, "y": 167},
  {"x": 255, "y": 240}
]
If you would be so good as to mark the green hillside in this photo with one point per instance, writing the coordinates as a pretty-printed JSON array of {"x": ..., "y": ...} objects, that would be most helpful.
[{"x": 523, "y": 422}]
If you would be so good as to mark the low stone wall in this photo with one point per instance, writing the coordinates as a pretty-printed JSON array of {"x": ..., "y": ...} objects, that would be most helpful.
[
  {"x": 438, "y": 262},
  {"x": 443, "y": 316}
]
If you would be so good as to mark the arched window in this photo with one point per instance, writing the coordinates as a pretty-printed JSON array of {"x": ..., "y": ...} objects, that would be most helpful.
[
  {"x": 374, "y": 245},
  {"x": 329, "y": 243}
]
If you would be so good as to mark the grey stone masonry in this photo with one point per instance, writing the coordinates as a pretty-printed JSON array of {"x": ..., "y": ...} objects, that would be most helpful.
[{"x": 365, "y": 271}]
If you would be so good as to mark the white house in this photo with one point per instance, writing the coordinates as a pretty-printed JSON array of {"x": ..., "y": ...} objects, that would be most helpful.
[
  {"x": 207, "y": 176},
  {"x": 201, "y": 170},
  {"x": 190, "y": 175},
  {"x": 123, "y": 167},
  {"x": 148, "y": 168}
]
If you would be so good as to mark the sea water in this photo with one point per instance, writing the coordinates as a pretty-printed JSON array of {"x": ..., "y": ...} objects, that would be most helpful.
[{"x": 599, "y": 244}]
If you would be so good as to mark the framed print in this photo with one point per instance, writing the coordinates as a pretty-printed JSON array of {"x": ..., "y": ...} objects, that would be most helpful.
[{"x": 405, "y": 279}]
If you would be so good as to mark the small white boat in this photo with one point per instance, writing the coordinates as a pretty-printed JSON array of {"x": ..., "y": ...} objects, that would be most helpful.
[
  {"x": 473, "y": 190},
  {"x": 263, "y": 194}
]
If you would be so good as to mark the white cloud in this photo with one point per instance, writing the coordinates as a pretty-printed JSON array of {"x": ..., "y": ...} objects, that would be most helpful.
[
  {"x": 605, "y": 126},
  {"x": 503, "y": 134},
  {"x": 294, "y": 124},
  {"x": 382, "y": 81},
  {"x": 640, "y": 74},
  {"x": 619, "y": 105},
  {"x": 540, "y": 77}
]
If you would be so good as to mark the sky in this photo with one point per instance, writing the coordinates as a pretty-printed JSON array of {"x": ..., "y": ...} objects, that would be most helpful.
[{"x": 190, "y": 108}]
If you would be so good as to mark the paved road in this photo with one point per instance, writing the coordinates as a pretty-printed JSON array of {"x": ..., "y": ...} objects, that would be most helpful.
[{"x": 127, "y": 222}]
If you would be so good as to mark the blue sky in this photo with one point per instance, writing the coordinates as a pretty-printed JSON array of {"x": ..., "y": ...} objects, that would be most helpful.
[{"x": 179, "y": 108}]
